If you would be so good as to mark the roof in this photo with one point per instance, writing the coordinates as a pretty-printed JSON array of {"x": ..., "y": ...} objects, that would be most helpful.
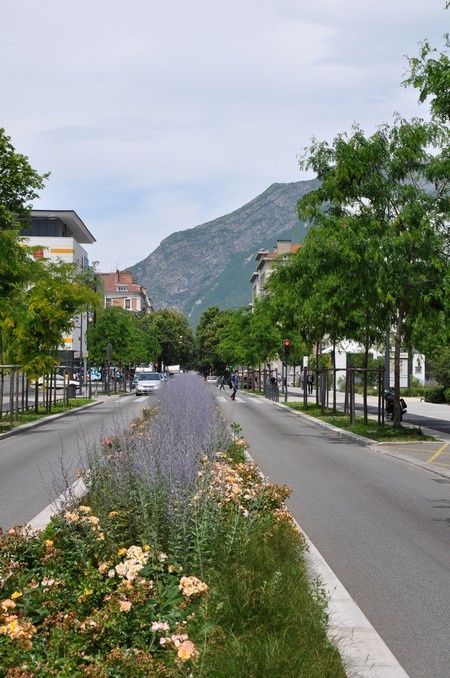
[
  {"x": 71, "y": 219},
  {"x": 112, "y": 280}
]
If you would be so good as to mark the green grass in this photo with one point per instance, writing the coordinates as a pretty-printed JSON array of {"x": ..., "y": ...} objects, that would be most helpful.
[
  {"x": 386, "y": 433},
  {"x": 263, "y": 616},
  {"x": 27, "y": 417}
]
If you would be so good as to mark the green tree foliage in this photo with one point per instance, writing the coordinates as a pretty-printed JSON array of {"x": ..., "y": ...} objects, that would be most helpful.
[
  {"x": 174, "y": 335},
  {"x": 207, "y": 338},
  {"x": 235, "y": 346},
  {"x": 119, "y": 328},
  {"x": 265, "y": 332},
  {"x": 42, "y": 314},
  {"x": 390, "y": 191},
  {"x": 441, "y": 366},
  {"x": 19, "y": 184},
  {"x": 430, "y": 74}
]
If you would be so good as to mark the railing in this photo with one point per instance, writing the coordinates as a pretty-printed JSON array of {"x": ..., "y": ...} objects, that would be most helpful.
[{"x": 271, "y": 390}]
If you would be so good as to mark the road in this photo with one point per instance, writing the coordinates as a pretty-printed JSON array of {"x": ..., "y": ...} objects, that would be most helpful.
[
  {"x": 380, "y": 523},
  {"x": 33, "y": 462}
]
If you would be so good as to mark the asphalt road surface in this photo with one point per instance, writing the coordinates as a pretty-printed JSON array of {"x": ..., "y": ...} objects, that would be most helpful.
[
  {"x": 380, "y": 523},
  {"x": 33, "y": 463}
]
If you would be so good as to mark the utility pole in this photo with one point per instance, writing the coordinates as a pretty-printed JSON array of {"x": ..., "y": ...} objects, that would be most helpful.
[{"x": 286, "y": 349}]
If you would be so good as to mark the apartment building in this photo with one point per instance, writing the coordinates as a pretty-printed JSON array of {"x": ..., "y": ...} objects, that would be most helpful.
[
  {"x": 122, "y": 291},
  {"x": 59, "y": 235},
  {"x": 266, "y": 262}
]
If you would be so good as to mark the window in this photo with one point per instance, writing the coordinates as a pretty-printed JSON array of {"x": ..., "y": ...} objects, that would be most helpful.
[
  {"x": 107, "y": 303},
  {"x": 127, "y": 303},
  {"x": 122, "y": 288}
]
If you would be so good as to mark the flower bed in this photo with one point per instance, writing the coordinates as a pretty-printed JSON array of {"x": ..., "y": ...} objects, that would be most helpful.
[{"x": 182, "y": 560}]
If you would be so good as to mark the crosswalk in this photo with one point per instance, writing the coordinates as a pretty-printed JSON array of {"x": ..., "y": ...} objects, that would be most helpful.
[{"x": 258, "y": 401}]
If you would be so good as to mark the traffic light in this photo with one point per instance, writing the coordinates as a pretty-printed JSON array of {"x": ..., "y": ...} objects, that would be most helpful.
[{"x": 286, "y": 347}]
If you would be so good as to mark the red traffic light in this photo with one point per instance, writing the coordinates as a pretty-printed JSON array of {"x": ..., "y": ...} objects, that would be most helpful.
[{"x": 287, "y": 343}]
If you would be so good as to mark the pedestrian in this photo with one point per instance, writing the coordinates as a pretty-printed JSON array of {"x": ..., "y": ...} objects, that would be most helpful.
[
  {"x": 222, "y": 384},
  {"x": 234, "y": 385},
  {"x": 310, "y": 382}
]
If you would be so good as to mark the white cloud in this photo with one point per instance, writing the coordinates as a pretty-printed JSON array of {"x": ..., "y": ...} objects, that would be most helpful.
[{"x": 153, "y": 117}]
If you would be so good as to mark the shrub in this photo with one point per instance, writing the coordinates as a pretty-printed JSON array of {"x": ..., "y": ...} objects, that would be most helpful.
[
  {"x": 447, "y": 395},
  {"x": 72, "y": 605},
  {"x": 435, "y": 395},
  {"x": 150, "y": 473}
]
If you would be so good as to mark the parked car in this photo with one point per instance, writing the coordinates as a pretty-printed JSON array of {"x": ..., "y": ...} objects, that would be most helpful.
[
  {"x": 212, "y": 379},
  {"x": 56, "y": 382},
  {"x": 148, "y": 382}
]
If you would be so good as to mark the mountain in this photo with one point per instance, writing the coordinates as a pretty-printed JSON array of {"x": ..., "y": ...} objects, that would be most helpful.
[{"x": 211, "y": 264}]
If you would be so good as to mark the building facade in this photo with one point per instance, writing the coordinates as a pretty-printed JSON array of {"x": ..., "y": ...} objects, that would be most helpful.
[
  {"x": 266, "y": 262},
  {"x": 122, "y": 291},
  {"x": 59, "y": 235}
]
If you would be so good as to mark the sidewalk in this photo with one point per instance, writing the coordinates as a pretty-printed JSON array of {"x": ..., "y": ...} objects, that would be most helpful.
[
  {"x": 415, "y": 405},
  {"x": 431, "y": 455}
]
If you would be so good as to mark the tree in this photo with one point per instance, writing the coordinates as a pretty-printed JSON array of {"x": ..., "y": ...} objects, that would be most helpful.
[
  {"x": 119, "y": 328},
  {"x": 430, "y": 74},
  {"x": 265, "y": 330},
  {"x": 34, "y": 326},
  {"x": 207, "y": 339},
  {"x": 236, "y": 347},
  {"x": 394, "y": 185},
  {"x": 19, "y": 185},
  {"x": 174, "y": 336}
]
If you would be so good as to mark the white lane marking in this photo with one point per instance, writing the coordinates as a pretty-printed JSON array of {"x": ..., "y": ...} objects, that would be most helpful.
[
  {"x": 259, "y": 401},
  {"x": 75, "y": 491}
]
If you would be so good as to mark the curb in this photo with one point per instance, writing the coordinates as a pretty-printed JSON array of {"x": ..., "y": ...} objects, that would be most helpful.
[
  {"x": 44, "y": 420},
  {"x": 76, "y": 490},
  {"x": 363, "y": 651},
  {"x": 372, "y": 444}
]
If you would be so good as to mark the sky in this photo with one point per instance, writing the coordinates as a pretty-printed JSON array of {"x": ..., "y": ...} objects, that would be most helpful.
[{"x": 153, "y": 117}]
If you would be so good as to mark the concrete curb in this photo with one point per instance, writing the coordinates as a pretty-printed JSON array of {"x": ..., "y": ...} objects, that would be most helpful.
[
  {"x": 363, "y": 651},
  {"x": 44, "y": 420},
  {"x": 368, "y": 442},
  {"x": 75, "y": 491}
]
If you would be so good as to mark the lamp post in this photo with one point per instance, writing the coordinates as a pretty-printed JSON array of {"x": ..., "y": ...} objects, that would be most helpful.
[{"x": 286, "y": 349}]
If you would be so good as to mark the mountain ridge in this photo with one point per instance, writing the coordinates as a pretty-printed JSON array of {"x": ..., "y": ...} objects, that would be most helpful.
[{"x": 213, "y": 261}]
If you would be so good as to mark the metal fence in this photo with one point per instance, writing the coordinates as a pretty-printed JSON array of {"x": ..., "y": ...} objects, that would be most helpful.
[
  {"x": 320, "y": 387},
  {"x": 19, "y": 394}
]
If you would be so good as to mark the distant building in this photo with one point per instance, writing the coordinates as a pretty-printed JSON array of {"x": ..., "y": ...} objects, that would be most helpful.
[
  {"x": 58, "y": 235},
  {"x": 122, "y": 291},
  {"x": 267, "y": 260}
]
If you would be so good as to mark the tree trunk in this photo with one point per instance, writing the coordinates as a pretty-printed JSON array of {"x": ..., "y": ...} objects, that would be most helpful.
[
  {"x": 410, "y": 369},
  {"x": 365, "y": 367},
  {"x": 398, "y": 344}
]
